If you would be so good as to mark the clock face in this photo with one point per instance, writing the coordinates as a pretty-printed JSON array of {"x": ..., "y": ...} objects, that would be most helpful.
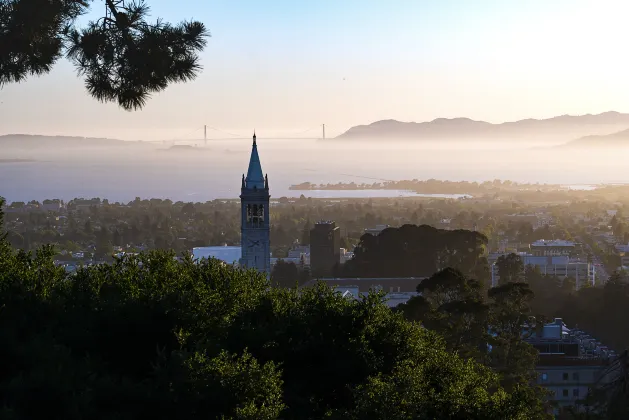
[{"x": 253, "y": 243}]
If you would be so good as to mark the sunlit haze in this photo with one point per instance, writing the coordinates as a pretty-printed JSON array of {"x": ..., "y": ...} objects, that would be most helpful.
[
  {"x": 284, "y": 67},
  {"x": 356, "y": 209}
]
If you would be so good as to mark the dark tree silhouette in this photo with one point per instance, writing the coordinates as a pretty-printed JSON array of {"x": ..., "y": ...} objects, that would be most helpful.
[
  {"x": 285, "y": 274},
  {"x": 452, "y": 305},
  {"x": 419, "y": 251},
  {"x": 123, "y": 57},
  {"x": 510, "y": 268},
  {"x": 153, "y": 337}
]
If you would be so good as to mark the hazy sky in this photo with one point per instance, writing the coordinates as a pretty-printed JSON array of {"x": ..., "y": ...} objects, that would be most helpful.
[{"x": 286, "y": 66}]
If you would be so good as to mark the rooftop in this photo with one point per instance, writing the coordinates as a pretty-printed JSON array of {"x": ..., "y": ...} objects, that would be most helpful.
[
  {"x": 552, "y": 242},
  {"x": 255, "y": 176},
  {"x": 227, "y": 254},
  {"x": 560, "y": 345}
]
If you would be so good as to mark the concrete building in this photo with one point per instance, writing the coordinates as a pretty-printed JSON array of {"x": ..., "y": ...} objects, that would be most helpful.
[
  {"x": 570, "y": 364},
  {"x": 398, "y": 289},
  {"x": 552, "y": 247},
  {"x": 300, "y": 251},
  {"x": 227, "y": 254},
  {"x": 53, "y": 206},
  {"x": 623, "y": 252},
  {"x": 558, "y": 266},
  {"x": 346, "y": 255},
  {"x": 364, "y": 284},
  {"x": 325, "y": 248},
  {"x": 376, "y": 231}
]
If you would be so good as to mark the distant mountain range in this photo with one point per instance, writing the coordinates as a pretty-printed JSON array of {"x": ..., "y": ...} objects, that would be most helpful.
[
  {"x": 31, "y": 141},
  {"x": 619, "y": 139},
  {"x": 561, "y": 128}
]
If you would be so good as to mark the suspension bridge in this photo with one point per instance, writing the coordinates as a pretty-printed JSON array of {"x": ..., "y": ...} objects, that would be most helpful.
[{"x": 221, "y": 135}]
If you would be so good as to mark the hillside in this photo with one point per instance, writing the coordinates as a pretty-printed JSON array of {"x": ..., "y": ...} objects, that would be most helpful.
[
  {"x": 565, "y": 127},
  {"x": 30, "y": 141},
  {"x": 619, "y": 139}
]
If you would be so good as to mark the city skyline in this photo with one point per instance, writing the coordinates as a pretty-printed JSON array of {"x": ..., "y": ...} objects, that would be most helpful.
[{"x": 284, "y": 68}]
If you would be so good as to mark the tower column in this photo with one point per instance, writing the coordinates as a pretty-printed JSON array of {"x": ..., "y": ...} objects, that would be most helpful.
[{"x": 255, "y": 221}]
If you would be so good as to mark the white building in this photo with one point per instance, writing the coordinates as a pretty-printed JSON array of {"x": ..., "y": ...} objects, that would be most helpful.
[
  {"x": 623, "y": 252},
  {"x": 392, "y": 299},
  {"x": 571, "y": 364},
  {"x": 560, "y": 266},
  {"x": 553, "y": 247},
  {"x": 227, "y": 254}
]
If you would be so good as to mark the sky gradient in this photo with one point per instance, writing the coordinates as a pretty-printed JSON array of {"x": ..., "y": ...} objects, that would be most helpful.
[{"x": 283, "y": 67}]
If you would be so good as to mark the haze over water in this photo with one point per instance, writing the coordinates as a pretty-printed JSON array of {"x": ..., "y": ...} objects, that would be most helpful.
[{"x": 121, "y": 174}]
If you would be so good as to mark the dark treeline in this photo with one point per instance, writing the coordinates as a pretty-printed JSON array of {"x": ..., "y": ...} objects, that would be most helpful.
[
  {"x": 419, "y": 251},
  {"x": 99, "y": 225}
]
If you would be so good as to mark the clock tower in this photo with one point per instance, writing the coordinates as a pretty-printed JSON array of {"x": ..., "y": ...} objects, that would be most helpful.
[{"x": 254, "y": 209}]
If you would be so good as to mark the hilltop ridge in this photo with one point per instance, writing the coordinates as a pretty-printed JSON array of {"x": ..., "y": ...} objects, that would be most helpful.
[{"x": 563, "y": 126}]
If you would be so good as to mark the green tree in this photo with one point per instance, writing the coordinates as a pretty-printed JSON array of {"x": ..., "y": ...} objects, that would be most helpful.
[
  {"x": 3, "y": 234},
  {"x": 284, "y": 274},
  {"x": 510, "y": 317},
  {"x": 152, "y": 337},
  {"x": 510, "y": 268},
  {"x": 239, "y": 387},
  {"x": 123, "y": 57},
  {"x": 87, "y": 227},
  {"x": 452, "y": 305},
  {"x": 408, "y": 393}
]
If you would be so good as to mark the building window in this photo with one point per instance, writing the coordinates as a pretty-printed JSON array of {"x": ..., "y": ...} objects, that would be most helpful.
[
  {"x": 575, "y": 376},
  {"x": 255, "y": 215},
  {"x": 565, "y": 392},
  {"x": 544, "y": 376},
  {"x": 566, "y": 377},
  {"x": 575, "y": 392}
]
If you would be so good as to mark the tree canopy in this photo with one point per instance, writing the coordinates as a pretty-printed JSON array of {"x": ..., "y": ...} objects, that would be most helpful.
[
  {"x": 151, "y": 336},
  {"x": 123, "y": 57},
  {"x": 419, "y": 251}
]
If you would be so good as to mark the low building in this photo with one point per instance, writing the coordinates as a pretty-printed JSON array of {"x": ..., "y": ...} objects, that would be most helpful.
[
  {"x": 570, "y": 364},
  {"x": 357, "y": 289},
  {"x": 346, "y": 255},
  {"x": 365, "y": 284},
  {"x": 552, "y": 247},
  {"x": 227, "y": 254},
  {"x": 53, "y": 206},
  {"x": 299, "y": 251},
  {"x": 558, "y": 266},
  {"x": 376, "y": 231},
  {"x": 623, "y": 252}
]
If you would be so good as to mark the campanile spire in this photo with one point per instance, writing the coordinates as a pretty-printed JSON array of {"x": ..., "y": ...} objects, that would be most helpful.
[{"x": 254, "y": 203}]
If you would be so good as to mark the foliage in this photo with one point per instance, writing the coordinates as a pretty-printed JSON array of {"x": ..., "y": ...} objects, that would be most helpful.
[
  {"x": 288, "y": 274},
  {"x": 510, "y": 268},
  {"x": 409, "y": 393},
  {"x": 123, "y": 57},
  {"x": 510, "y": 318},
  {"x": 418, "y": 251},
  {"x": 151, "y": 336},
  {"x": 452, "y": 305}
]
